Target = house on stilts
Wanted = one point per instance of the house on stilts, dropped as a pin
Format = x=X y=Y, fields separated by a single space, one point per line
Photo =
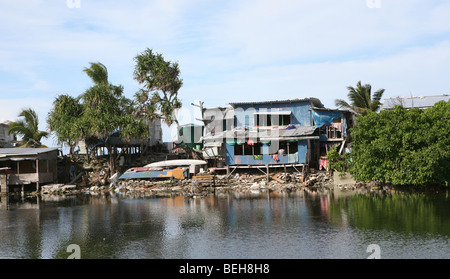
x=273 y=134
x=27 y=166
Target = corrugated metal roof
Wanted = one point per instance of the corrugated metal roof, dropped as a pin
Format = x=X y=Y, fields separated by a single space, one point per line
x=270 y=133
x=414 y=101
x=24 y=151
x=277 y=112
x=315 y=102
x=7 y=122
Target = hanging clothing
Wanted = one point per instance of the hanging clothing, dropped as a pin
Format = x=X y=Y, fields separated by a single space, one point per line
x=337 y=126
x=323 y=163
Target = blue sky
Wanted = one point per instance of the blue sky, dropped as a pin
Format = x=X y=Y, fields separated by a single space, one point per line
x=228 y=51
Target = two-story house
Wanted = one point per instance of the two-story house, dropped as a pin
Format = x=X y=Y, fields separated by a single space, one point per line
x=286 y=133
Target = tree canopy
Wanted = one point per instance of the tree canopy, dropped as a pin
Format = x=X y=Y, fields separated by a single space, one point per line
x=64 y=120
x=403 y=147
x=97 y=115
x=158 y=98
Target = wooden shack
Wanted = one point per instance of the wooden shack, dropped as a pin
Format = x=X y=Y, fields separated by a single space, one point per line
x=27 y=166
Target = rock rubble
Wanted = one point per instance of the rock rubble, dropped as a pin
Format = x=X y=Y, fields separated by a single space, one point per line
x=242 y=183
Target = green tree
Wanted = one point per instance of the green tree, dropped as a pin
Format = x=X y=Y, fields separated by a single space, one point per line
x=28 y=129
x=361 y=99
x=64 y=120
x=158 y=97
x=161 y=81
x=403 y=147
x=338 y=162
x=106 y=113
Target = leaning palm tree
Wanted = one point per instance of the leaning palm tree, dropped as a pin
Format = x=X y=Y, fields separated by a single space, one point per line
x=97 y=72
x=99 y=76
x=28 y=129
x=361 y=99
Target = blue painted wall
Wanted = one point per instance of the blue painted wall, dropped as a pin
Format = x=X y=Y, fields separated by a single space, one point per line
x=302 y=149
x=244 y=114
x=231 y=159
x=229 y=154
x=245 y=117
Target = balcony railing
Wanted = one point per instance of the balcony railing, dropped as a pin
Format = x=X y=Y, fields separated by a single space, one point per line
x=333 y=132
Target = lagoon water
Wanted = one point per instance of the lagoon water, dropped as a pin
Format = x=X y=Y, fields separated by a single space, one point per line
x=229 y=225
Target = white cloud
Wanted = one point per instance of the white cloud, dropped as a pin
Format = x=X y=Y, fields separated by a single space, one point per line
x=422 y=70
x=228 y=51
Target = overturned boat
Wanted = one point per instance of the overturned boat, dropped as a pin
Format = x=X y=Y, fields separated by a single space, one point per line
x=177 y=163
x=177 y=169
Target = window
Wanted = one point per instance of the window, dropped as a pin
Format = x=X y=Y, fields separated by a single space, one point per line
x=246 y=149
x=238 y=150
x=288 y=147
x=272 y=119
x=292 y=147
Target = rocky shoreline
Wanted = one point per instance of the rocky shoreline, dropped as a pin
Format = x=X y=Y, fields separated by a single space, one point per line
x=190 y=188
x=242 y=183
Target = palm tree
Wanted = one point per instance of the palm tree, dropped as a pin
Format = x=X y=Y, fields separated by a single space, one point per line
x=97 y=72
x=28 y=129
x=361 y=99
x=99 y=76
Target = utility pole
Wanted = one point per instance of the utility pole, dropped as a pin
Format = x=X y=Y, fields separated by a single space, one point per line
x=200 y=105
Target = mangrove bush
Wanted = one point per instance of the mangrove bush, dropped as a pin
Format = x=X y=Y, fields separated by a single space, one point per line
x=403 y=146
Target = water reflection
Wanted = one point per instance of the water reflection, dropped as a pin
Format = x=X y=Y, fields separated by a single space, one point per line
x=226 y=225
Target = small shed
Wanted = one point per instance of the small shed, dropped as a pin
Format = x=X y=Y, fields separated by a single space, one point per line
x=24 y=166
x=192 y=133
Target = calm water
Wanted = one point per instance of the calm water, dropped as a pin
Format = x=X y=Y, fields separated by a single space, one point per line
x=296 y=225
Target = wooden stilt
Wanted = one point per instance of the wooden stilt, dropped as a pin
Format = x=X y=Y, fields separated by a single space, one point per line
x=37 y=174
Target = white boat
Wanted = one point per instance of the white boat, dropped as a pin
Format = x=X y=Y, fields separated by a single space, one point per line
x=176 y=163
x=178 y=169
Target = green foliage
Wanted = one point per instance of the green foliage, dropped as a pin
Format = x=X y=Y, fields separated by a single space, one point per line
x=97 y=72
x=361 y=99
x=106 y=110
x=403 y=147
x=340 y=163
x=28 y=129
x=64 y=120
x=161 y=82
x=101 y=112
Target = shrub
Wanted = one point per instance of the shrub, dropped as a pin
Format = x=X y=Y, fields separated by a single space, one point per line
x=403 y=147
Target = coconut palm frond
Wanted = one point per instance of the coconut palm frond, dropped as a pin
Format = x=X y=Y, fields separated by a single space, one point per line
x=341 y=103
x=361 y=99
x=378 y=94
x=97 y=72
x=20 y=128
x=28 y=129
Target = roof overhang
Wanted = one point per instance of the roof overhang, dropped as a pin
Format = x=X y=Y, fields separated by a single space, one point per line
x=280 y=112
